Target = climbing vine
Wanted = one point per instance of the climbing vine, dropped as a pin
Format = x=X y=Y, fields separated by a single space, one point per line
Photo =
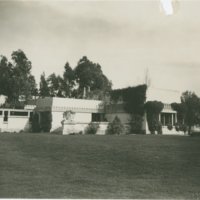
x=133 y=100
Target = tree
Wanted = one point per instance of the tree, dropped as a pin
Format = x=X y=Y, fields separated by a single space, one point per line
x=191 y=103
x=68 y=80
x=24 y=83
x=90 y=77
x=16 y=80
x=181 y=110
x=55 y=85
x=44 y=89
x=6 y=72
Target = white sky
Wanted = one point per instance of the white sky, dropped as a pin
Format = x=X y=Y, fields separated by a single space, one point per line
x=125 y=37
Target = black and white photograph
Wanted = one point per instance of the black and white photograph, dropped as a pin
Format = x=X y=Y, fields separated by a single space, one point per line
x=100 y=99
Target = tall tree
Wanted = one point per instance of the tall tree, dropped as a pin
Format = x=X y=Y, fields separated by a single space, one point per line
x=90 y=77
x=44 y=89
x=191 y=104
x=24 y=82
x=6 y=72
x=55 y=85
x=68 y=80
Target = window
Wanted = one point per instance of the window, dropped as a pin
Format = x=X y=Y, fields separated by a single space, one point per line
x=18 y=113
x=1 y=112
x=163 y=119
x=168 y=119
x=5 y=119
x=31 y=117
x=98 y=117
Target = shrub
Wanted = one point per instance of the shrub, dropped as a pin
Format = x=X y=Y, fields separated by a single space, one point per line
x=183 y=128
x=177 y=127
x=45 y=121
x=92 y=128
x=136 y=124
x=115 y=127
x=170 y=127
x=35 y=123
x=159 y=128
x=153 y=109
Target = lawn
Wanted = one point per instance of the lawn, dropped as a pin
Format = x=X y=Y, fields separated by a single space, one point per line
x=87 y=166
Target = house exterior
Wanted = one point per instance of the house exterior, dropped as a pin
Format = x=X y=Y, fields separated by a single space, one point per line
x=86 y=111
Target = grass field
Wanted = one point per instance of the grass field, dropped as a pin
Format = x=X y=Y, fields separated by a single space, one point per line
x=132 y=166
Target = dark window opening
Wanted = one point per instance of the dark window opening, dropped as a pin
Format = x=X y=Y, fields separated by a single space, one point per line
x=162 y=119
x=5 y=119
x=1 y=112
x=174 y=118
x=166 y=119
x=18 y=113
x=98 y=117
x=31 y=117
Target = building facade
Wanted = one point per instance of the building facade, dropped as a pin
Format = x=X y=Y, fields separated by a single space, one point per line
x=86 y=111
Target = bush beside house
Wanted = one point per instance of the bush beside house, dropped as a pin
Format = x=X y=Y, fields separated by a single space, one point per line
x=115 y=127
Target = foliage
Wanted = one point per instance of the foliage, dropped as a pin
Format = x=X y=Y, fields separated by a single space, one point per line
x=44 y=89
x=136 y=124
x=16 y=80
x=115 y=127
x=6 y=72
x=191 y=103
x=183 y=128
x=85 y=81
x=24 y=83
x=89 y=77
x=45 y=121
x=180 y=109
x=133 y=98
x=55 y=85
x=35 y=123
x=68 y=80
x=177 y=127
x=153 y=109
x=92 y=128
x=169 y=127
x=159 y=128
x=188 y=110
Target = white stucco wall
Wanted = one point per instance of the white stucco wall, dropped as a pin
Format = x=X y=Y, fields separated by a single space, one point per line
x=64 y=104
x=124 y=117
x=14 y=124
x=57 y=117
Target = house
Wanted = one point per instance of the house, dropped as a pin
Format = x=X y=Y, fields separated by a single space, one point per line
x=86 y=111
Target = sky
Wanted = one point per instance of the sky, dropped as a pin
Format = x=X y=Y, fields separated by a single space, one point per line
x=125 y=37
